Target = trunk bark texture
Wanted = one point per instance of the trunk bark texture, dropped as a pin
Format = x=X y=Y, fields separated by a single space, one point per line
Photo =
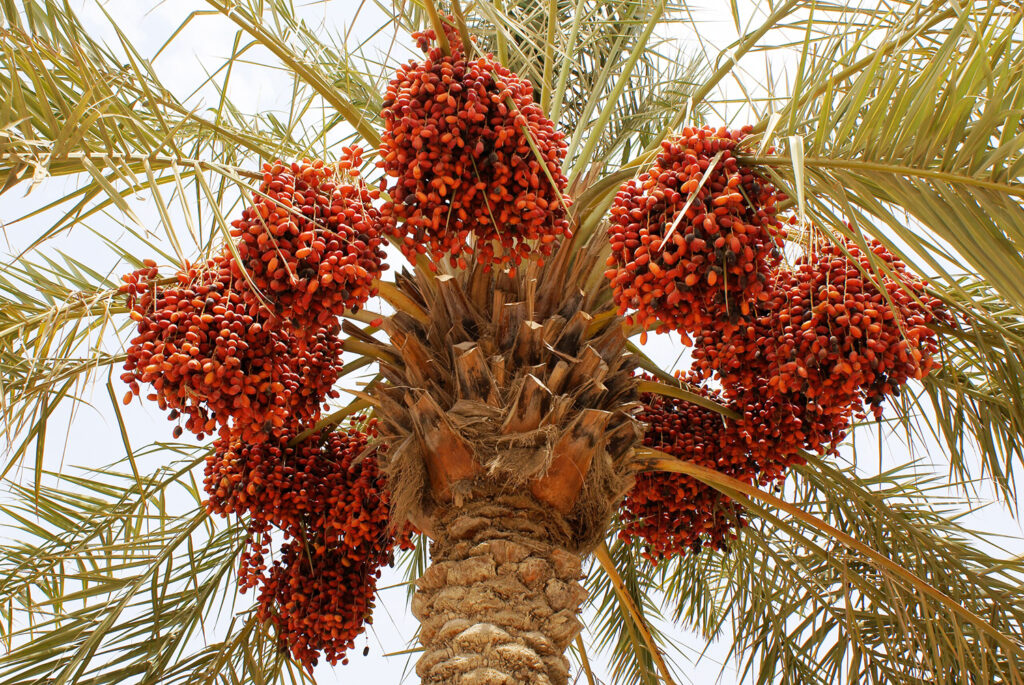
x=499 y=603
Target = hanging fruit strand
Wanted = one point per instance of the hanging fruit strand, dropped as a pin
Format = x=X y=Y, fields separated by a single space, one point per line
x=249 y=348
x=799 y=353
x=470 y=154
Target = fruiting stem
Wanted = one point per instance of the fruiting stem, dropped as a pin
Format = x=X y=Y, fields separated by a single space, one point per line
x=332 y=419
x=681 y=394
x=549 y=56
x=435 y=21
x=692 y=196
x=460 y=24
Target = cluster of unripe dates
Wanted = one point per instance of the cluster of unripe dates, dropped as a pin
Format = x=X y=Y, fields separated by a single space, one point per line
x=799 y=352
x=471 y=155
x=248 y=348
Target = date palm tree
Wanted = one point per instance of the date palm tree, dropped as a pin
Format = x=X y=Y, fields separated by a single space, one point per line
x=509 y=400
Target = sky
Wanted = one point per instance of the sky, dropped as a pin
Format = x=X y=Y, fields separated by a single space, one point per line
x=91 y=435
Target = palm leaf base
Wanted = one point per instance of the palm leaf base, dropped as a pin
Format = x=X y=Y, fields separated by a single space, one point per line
x=495 y=383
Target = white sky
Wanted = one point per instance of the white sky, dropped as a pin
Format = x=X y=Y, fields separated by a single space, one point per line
x=92 y=436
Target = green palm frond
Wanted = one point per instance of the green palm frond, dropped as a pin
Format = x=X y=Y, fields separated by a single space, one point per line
x=975 y=394
x=617 y=631
x=921 y=148
x=844 y=618
x=106 y=583
x=91 y=106
x=130 y=135
x=644 y=111
x=325 y=69
x=55 y=317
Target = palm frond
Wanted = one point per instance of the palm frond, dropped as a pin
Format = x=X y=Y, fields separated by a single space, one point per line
x=806 y=605
x=92 y=108
x=616 y=632
x=105 y=582
x=922 y=148
x=104 y=114
x=55 y=318
x=903 y=121
x=974 y=395
x=625 y=594
x=326 y=70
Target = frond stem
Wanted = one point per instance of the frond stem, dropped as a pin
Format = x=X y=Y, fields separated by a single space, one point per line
x=1016 y=190
x=549 y=57
x=611 y=103
x=9 y=159
x=79 y=305
x=584 y=660
x=499 y=35
x=604 y=558
x=563 y=72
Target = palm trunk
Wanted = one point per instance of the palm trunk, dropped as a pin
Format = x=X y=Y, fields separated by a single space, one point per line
x=499 y=604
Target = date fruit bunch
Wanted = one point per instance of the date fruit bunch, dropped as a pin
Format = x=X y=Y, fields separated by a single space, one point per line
x=475 y=166
x=247 y=346
x=796 y=352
